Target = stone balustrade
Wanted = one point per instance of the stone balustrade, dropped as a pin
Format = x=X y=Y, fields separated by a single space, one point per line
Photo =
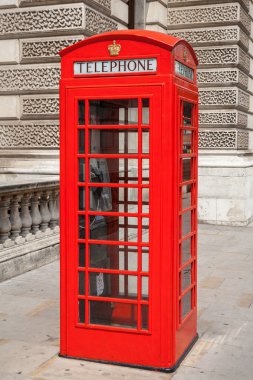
x=28 y=211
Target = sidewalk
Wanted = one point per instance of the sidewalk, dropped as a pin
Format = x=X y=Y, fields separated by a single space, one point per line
x=29 y=320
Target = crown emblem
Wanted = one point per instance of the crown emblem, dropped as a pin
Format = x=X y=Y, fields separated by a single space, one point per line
x=114 y=49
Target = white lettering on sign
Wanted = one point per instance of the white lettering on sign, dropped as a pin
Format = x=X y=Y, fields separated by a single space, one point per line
x=142 y=65
x=184 y=70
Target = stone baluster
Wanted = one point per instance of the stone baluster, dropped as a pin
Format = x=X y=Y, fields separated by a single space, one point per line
x=58 y=207
x=44 y=211
x=15 y=219
x=26 y=217
x=52 y=209
x=35 y=214
x=5 y=224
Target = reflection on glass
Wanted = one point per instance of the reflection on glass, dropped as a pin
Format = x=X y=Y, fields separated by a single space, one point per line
x=145 y=230
x=145 y=170
x=106 y=256
x=113 y=111
x=113 y=285
x=81 y=283
x=81 y=169
x=81 y=141
x=115 y=228
x=116 y=199
x=145 y=111
x=113 y=141
x=145 y=141
x=81 y=311
x=187 y=113
x=144 y=317
x=145 y=259
x=144 y=288
x=81 y=198
x=81 y=255
x=81 y=220
x=187 y=141
x=81 y=112
x=145 y=200
x=114 y=170
x=186 y=304
x=113 y=314
x=186 y=169
x=185 y=277
x=186 y=196
x=186 y=223
x=185 y=251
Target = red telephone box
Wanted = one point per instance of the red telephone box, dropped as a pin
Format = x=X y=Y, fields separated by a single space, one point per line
x=129 y=105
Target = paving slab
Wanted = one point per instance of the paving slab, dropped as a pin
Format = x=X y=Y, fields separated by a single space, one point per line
x=29 y=320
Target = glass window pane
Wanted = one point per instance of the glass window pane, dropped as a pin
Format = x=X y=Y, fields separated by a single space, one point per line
x=187 y=169
x=186 y=196
x=113 y=111
x=81 y=283
x=81 y=311
x=81 y=141
x=113 y=285
x=116 y=199
x=114 y=170
x=187 y=113
x=185 y=277
x=145 y=111
x=81 y=220
x=81 y=169
x=81 y=112
x=113 y=141
x=115 y=228
x=145 y=170
x=186 y=223
x=81 y=198
x=187 y=146
x=144 y=317
x=145 y=141
x=81 y=255
x=144 y=288
x=186 y=304
x=145 y=201
x=113 y=314
x=185 y=251
x=145 y=230
x=106 y=256
x=145 y=259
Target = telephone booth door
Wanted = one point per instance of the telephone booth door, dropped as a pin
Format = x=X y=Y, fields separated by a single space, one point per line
x=114 y=179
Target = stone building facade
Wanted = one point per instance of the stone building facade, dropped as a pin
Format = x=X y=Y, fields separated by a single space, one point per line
x=33 y=31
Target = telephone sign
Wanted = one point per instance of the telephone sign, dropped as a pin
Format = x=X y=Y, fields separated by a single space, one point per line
x=129 y=131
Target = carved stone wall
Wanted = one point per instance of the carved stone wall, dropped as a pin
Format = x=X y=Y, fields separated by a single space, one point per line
x=31 y=36
x=220 y=34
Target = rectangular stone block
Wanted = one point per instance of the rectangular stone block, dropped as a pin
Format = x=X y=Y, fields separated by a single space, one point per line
x=9 y=107
x=210 y=77
x=212 y=35
x=224 y=139
x=9 y=51
x=156 y=13
x=224 y=117
x=45 y=49
x=120 y=10
x=8 y=3
x=33 y=106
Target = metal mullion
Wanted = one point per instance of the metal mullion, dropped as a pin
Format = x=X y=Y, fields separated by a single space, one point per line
x=115 y=155
x=110 y=213
x=139 y=233
x=87 y=230
x=113 y=299
x=113 y=126
x=113 y=242
x=103 y=184
x=126 y=204
x=190 y=261
x=185 y=237
x=188 y=155
x=113 y=271
x=185 y=210
x=186 y=291
x=189 y=182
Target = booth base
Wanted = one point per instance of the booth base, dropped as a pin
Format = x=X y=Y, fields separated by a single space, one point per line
x=147 y=368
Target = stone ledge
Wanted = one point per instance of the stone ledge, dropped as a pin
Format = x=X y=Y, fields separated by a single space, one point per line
x=21 y=259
